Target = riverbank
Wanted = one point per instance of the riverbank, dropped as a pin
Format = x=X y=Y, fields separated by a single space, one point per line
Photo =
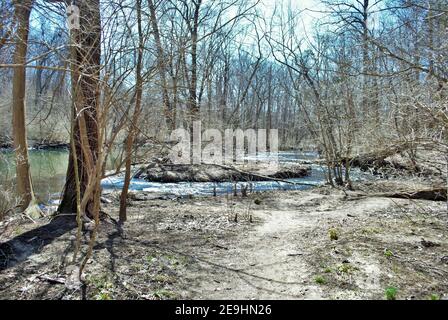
x=270 y=245
x=37 y=145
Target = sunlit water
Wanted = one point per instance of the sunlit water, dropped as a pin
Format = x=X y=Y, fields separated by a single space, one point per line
x=48 y=169
x=316 y=178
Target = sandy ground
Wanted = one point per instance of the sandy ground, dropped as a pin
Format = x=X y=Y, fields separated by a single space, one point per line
x=272 y=245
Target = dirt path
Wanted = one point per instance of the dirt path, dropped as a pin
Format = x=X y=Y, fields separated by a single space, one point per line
x=278 y=247
x=271 y=260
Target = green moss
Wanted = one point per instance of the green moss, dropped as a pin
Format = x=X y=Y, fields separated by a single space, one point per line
x=391 y=293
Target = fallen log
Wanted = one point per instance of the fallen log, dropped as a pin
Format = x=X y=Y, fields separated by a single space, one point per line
x=174 y=173
x=433 y=194
x=437 y=194
x=269 y=178
x=50 y=146
x=5 y=142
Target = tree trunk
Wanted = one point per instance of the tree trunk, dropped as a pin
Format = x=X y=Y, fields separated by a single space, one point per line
x=365 y=60
x=24 y=188
x=225 y=92
x=132 y=127
x=269 y=113
x=194 y=108
x=86 y=94
x=168 y=108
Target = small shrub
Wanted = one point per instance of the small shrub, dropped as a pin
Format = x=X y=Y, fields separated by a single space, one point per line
x=346 y=268
x=257 y=201
x=334 y=234
x=328 y=270
x=102 y=287
x=435 y=297
x=7 y=201
x=103 y=295
x=320 y=280
x=391 y=293
x=388 y=253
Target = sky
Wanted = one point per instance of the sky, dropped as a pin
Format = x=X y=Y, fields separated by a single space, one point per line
x=267 y=7
x=307 y=16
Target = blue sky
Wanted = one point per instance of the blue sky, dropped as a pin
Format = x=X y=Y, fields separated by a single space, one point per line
x=267 y=7
x=307 y=16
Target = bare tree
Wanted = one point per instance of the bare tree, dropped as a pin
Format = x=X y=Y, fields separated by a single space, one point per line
x=132 y=131
x=86 y=94
x=24 y=185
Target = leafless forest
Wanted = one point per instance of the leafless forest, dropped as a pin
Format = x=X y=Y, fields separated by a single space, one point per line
x=357 y=89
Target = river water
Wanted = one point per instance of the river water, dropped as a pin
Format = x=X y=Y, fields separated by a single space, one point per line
x=209 y=188
x=48 y=169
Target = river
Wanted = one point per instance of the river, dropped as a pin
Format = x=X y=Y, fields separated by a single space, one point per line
x=48 y=169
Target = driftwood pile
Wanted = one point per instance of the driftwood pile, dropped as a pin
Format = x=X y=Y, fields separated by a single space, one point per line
x=394 y=160
x=377 y=159
x=174 y=173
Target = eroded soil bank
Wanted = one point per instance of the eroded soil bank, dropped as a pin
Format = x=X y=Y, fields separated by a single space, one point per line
x=271 y=245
